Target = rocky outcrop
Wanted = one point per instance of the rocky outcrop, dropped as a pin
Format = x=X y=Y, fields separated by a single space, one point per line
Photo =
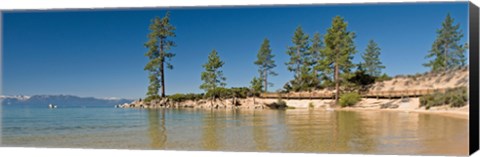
x=232 y=103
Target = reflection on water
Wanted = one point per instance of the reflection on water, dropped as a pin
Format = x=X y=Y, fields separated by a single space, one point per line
x=260 y=133
x=367 y=132
x=211 y=131
x=156 y=128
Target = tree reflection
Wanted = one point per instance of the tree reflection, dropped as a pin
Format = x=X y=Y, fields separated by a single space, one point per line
x=259 y=131
x=355 y=132
x=310 y=131
x=156 y=128
x=210 y=134
x=322 y=131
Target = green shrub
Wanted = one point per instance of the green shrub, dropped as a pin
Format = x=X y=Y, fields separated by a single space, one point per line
x=310 y=105
x=458 y=97
x=220 y=92
x=150 y=98
x=454 y=97
x=349 y=99
x=185 y=97
x=457 y=101
x=239 y=92
x=431 y=100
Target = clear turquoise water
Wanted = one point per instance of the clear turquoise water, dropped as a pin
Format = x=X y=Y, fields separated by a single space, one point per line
x=366 y=132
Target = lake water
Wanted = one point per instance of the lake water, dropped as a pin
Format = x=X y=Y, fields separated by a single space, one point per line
x=316 y=131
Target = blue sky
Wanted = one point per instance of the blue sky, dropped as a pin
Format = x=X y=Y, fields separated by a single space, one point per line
x=100 y=53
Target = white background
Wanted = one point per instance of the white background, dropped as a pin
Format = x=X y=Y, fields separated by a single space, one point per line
x=63 y=4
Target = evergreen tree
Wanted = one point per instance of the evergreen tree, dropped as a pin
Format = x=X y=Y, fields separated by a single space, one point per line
x=446 y=50
x=372 y=64
x=307 y=78
x=159 y=45
x=256 y=85
x=297 y=52
x=300 y=63
x=314 y=59
x=213 y=77
x=152 y=92
x=265 y=63
x=338 y=53
x=315 y=50
x=152 y=68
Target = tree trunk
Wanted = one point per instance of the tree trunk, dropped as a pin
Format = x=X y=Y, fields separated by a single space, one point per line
x=162 y=79
x=446 y=57
x=214 y=97
x=162 y=72
x=337 y=84
x=299 y=62
x=265 y=81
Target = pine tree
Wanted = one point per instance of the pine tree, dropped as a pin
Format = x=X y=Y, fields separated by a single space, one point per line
x=446 y=50
x=315 y=58
x=256 y=85
x=298 y=51
x=159 y=45
x=265 y=63
x=315 y=49
x=213 y=77
x=372 y=64
x=338 y=53
x=299 y=62
x=152 y=68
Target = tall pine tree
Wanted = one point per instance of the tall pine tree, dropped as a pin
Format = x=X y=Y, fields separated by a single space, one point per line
x=446 y=51
x=300 y=62
x=152 y=68
x=265 y=63
x=159 y=45
x=213 y=77
x=339 y=51
x=371 y=60
x=297 y=51
x=315 y=55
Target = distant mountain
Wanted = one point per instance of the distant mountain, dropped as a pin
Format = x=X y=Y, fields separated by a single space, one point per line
x=61 y=100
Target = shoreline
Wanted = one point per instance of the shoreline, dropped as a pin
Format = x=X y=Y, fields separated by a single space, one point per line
x=401 y=93
x=366 y=104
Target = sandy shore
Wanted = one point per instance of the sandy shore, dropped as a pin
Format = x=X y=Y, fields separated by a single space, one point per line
x=389 y=105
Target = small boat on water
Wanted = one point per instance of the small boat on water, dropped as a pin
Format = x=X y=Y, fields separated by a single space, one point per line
x=52 y=106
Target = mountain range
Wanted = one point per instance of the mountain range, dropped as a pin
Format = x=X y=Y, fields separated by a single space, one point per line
x=61 y=100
